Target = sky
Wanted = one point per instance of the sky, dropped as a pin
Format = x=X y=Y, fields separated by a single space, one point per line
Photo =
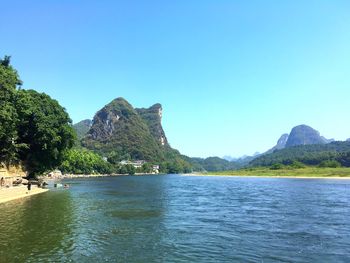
x=232 y=76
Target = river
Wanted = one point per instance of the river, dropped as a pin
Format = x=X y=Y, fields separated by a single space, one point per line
x=177 y=218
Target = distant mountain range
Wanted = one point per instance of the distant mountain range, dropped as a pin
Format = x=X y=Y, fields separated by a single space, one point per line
x=303 y=144
x=120 y=131
x=301 y=135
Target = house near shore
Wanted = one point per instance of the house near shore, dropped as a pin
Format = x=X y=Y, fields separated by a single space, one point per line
x=139 y=163
x=136 y=164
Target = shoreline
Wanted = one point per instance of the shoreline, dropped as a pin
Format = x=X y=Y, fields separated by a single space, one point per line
x=73 y=176
x=272 y=176
x=18 y=192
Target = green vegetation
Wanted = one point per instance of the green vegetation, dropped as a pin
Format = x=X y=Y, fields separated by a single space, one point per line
x=288 y=171
x=34 y=129
x=80 y=161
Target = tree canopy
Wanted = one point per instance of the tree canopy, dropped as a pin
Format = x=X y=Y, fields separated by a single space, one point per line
x=34 y=129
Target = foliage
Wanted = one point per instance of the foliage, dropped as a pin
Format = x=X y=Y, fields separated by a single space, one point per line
x=9 y=81
x=277 y=166
x=45 y=128
x=80 y=161
x=330 y=164
x=34 y=128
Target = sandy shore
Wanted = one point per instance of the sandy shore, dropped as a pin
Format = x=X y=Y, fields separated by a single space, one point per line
x=12 y=193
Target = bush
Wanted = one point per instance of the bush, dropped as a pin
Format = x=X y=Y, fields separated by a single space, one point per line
x=330 y=164
x=277 y=166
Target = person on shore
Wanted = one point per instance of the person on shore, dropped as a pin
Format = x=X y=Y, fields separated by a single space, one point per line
x=2 y=182
x=29 y=186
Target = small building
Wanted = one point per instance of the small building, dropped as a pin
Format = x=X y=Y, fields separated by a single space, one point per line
x=155 y=169
x=136 y=164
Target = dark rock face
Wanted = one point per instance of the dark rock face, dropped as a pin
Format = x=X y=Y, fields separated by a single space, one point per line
x=303 y=135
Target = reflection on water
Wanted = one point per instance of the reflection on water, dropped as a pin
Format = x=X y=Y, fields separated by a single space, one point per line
x=36 y=227
x=181 y=219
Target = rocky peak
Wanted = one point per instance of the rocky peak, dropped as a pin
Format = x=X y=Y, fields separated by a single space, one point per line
x=302 y=135
x=121 y=130
x=106 y=120
x=281 y=143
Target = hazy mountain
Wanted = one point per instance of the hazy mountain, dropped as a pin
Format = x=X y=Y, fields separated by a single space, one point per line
x=281 y=143
x=82 y=128
x=303 y=135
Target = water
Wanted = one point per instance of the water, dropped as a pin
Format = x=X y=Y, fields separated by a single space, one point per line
x=181 y=219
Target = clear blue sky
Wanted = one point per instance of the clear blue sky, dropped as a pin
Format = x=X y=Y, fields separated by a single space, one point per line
x=232 y=76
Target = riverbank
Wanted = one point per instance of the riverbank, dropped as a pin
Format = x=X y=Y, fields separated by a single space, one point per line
x=72 y=176
x=308 y=172
x=13 y=193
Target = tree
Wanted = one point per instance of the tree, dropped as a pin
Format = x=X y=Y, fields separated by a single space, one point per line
x=45 y=129
x=130 y=169
x=330 y=164
x=147 y=168
x=9 y=81
x=83 y=161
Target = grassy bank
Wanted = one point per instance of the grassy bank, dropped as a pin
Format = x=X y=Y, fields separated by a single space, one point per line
x=288 y=172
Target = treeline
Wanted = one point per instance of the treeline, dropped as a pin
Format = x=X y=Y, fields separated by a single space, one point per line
x=35 y=130
x=213 y=164
x=322 y=155
x=83 y=161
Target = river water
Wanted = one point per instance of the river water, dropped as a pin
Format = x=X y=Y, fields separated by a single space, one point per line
x=180 y=219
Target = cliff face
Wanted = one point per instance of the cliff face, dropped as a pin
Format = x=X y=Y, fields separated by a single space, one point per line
x=120 y=129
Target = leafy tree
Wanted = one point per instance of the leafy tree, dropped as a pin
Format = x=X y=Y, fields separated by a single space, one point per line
x=9 y=81
x=297 y=165
x=147 y=168
x=82 y=161
x=130 y=169
x=45 y=128
x=277 y=166
x=330 y=164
